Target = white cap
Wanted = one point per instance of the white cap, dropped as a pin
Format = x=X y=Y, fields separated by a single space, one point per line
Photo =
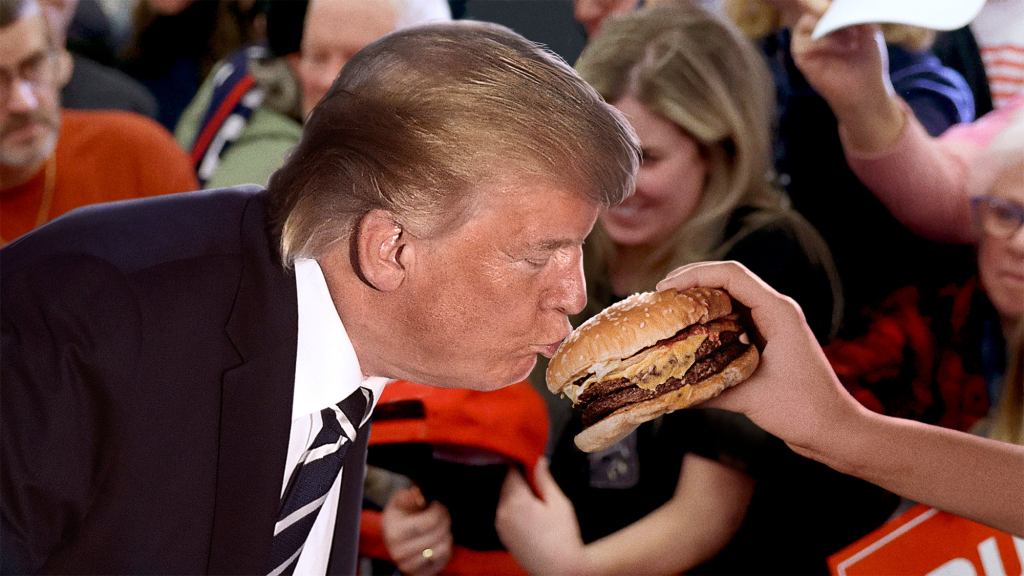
x=932 y=14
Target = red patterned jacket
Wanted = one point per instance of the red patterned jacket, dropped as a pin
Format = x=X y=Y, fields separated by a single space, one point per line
x=921 y=356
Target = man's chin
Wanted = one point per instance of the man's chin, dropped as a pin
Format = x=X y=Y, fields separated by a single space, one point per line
x=516 y=373
x=526 y=373
x=23 y=156
x=482 y=378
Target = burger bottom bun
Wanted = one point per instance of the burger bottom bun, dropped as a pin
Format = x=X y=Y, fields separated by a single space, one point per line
x=620 y=423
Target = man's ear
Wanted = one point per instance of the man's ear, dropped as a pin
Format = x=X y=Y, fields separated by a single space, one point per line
x=382 y=250
x=65 y=66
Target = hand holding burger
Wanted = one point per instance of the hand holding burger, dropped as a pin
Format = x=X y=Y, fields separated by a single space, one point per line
x=796 y=396
x=647 y=355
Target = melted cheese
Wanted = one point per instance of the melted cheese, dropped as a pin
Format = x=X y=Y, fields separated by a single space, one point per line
x=648 y=369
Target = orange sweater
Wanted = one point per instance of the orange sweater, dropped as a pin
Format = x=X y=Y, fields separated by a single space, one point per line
x=101 y=156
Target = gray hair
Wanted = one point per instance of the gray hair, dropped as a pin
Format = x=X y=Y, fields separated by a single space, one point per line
x=1005 y=150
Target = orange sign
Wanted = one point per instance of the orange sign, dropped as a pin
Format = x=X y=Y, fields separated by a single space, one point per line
x=928 y=542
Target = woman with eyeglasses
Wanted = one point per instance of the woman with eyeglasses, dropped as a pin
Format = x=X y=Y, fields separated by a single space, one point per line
x=954 y=358
x=922 y=180
x=999 y=214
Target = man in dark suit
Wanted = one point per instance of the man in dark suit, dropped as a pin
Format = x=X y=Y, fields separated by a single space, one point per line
x=173 y=366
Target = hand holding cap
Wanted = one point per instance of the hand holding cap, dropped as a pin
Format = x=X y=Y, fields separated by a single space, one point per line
x=932 y=14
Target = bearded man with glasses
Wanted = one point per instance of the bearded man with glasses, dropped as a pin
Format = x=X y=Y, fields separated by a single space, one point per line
x=54 y=160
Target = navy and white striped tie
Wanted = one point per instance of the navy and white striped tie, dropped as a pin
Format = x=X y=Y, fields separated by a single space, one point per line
x=313 y=477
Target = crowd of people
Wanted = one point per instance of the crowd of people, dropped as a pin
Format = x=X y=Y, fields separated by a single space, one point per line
x=236 y=234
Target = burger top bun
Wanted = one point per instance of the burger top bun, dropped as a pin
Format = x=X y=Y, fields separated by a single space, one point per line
x=631 y=325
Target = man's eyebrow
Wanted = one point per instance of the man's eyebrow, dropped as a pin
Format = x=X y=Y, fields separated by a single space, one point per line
x=31 y=58
x=556 y=244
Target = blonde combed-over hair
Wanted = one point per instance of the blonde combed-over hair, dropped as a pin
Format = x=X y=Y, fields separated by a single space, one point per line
x=424 y=120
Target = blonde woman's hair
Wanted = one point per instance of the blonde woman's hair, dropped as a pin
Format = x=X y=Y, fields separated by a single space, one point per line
x=1008 y=415
x=912 y=38
x=423 y=121
x=695 y=69
x=757 y=19
x=687 y=65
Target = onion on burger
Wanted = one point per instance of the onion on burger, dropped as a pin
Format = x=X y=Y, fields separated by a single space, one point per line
x=647 y=355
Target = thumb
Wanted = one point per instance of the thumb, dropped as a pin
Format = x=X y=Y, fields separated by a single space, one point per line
x=544 y=481
x=514 y=490
x=409 y=500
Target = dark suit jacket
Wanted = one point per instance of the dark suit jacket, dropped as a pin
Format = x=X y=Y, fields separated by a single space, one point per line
x=148 y=367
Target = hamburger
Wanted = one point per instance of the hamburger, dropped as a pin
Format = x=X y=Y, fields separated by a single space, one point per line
x=650 y=354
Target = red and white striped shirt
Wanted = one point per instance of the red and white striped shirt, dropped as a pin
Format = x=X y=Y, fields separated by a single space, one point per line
x=999 y=31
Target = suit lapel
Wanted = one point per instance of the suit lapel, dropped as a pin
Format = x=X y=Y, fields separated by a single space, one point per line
x=256 y=406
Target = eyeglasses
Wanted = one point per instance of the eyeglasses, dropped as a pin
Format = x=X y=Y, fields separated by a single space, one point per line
x=38 y=70
x=997 y=217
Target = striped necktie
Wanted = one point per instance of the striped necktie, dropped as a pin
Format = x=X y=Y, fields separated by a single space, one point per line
x=313 y=477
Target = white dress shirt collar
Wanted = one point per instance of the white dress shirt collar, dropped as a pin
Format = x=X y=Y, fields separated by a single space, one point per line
x=326 y=367
x=326 y=372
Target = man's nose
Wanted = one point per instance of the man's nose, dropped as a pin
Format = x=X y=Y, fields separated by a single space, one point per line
x=22 y=97
x=572 y=289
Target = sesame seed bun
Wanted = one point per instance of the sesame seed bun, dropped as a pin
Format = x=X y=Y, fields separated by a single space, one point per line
x=631 y=325
x=632 y=362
